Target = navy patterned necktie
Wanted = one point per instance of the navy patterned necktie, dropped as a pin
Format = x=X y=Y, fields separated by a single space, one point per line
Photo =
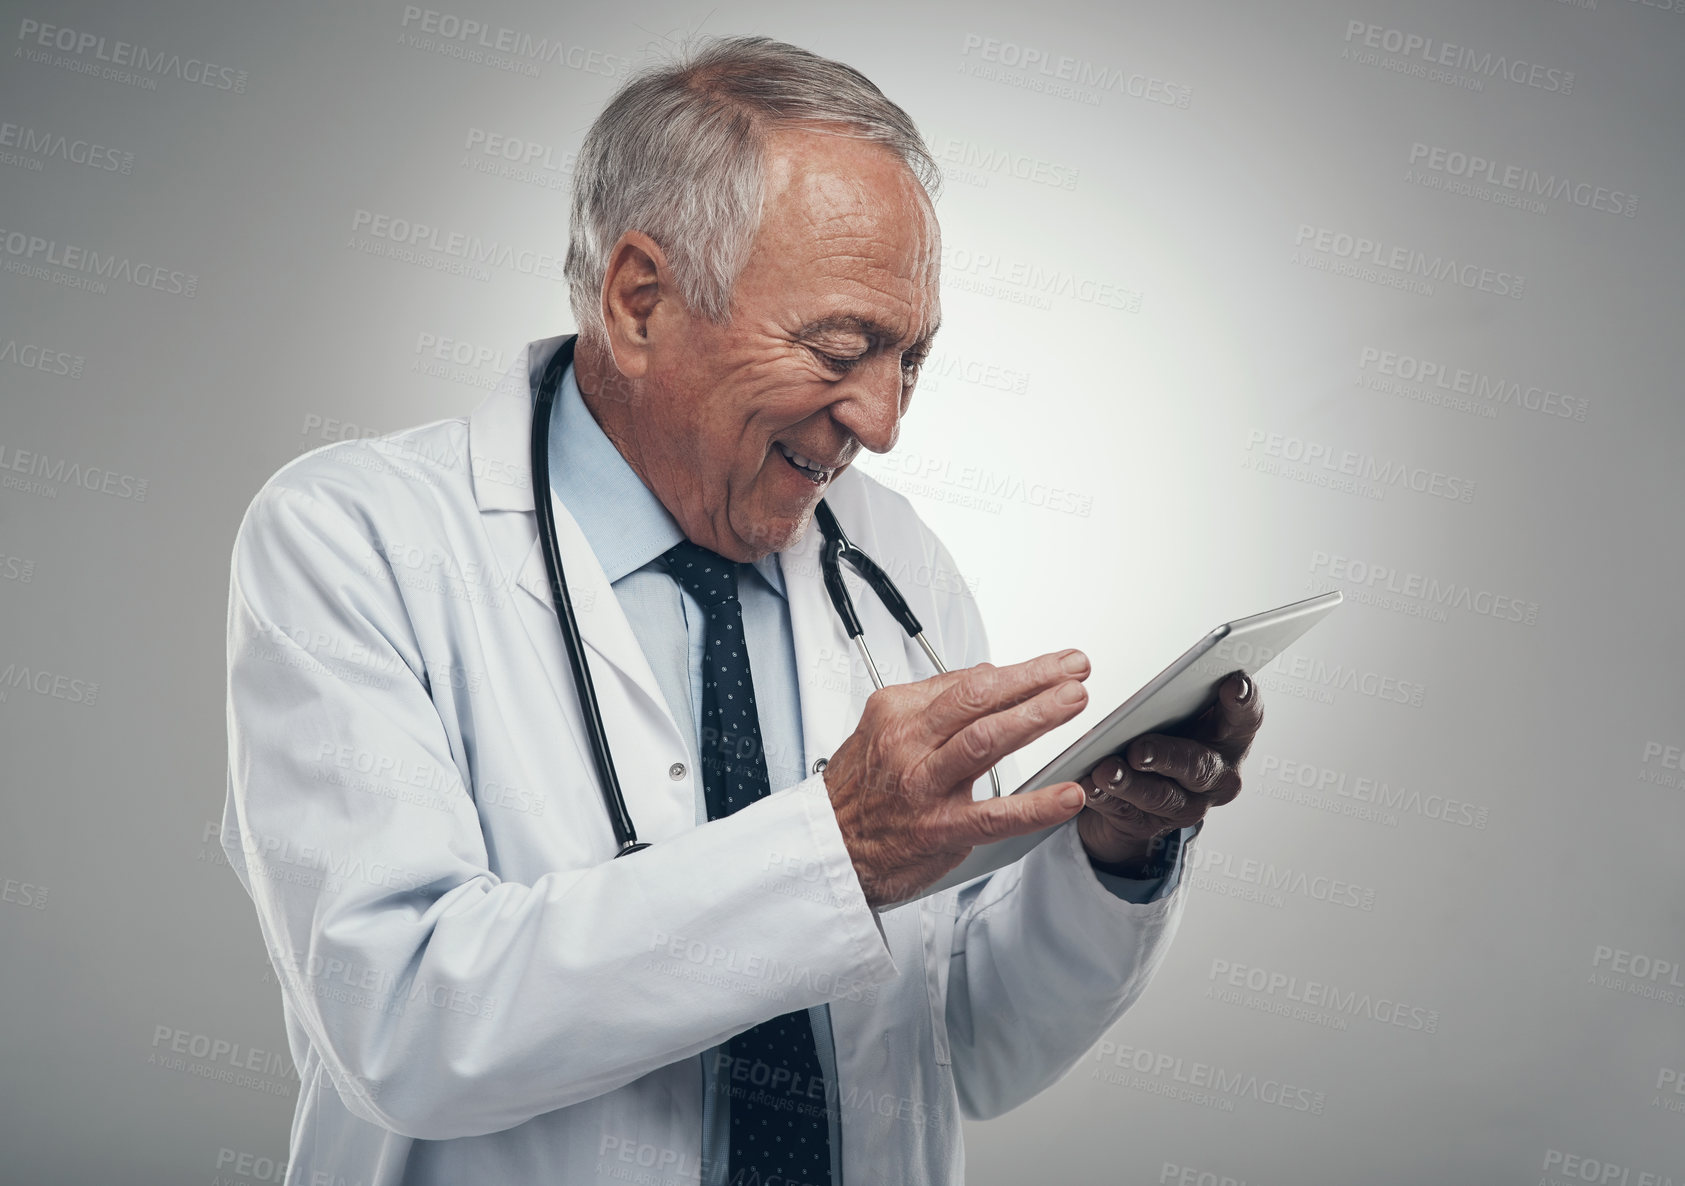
x=780 y=1129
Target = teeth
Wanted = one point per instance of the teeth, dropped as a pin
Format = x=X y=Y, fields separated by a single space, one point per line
x=817 y=472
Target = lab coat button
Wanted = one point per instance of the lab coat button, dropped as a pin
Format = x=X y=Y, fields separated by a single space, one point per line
x=819 y=765
x=676 y=771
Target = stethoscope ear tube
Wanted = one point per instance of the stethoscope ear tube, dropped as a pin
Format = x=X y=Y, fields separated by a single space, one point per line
x=836 y=548
x=830 y=554
x=625 y=834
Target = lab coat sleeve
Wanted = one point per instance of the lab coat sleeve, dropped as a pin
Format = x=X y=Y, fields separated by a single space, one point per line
x=443 y=1001
x=1045 y=958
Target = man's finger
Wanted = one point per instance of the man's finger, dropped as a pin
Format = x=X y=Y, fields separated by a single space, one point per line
x=984 y=689
x=1192 y=764
x=983 y=742
x=1130 y=819
x=988 y=820
x=1153 y=794
x=1235 y=718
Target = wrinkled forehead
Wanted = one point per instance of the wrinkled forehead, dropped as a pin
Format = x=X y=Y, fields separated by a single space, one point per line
x=846 y=217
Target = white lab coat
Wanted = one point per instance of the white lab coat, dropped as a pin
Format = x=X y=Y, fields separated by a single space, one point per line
x=474 y=991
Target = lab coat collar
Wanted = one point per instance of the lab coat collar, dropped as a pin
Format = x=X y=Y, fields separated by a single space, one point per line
x=499 y=432
x=499 y=449
x=500 y=455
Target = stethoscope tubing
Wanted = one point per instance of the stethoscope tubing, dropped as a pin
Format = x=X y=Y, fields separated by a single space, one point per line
x=619 y=818
x=836 y=549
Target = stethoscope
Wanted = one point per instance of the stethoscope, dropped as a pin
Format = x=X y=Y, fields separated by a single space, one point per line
x=836 y=550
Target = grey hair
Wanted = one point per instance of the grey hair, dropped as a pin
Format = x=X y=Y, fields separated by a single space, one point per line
x=679 y=154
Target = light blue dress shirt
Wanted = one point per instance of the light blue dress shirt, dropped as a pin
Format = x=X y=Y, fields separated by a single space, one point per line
x=629 y=530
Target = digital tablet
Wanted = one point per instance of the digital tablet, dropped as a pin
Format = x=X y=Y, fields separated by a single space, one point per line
x=1171 y=698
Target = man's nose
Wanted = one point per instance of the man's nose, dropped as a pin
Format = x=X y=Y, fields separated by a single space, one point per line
x=871 y=407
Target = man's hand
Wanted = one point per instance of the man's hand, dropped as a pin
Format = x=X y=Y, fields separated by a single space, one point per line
x=901 y=783
x=1161 y=784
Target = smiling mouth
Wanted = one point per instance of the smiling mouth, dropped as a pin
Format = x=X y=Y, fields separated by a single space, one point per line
x=807 y=467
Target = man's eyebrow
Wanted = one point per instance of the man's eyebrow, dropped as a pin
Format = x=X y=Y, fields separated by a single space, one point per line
x=848 y=323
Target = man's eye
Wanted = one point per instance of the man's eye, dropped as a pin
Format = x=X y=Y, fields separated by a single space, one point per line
x=840 y=365
x=910 y=363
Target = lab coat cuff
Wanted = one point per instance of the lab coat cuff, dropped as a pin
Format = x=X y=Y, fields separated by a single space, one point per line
x=1161 y=881
x=829 y=874
x=1067 y=861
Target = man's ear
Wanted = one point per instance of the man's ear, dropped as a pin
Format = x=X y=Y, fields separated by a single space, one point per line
x=636 y=284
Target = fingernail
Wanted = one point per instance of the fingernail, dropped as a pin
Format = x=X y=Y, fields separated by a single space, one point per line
x=1073 y=662
x=1071 y=797
x=1071 y=693
x=1144 y=755
x=1116 y=777
x=1245 y=693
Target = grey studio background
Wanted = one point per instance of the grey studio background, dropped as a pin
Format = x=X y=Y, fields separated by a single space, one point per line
x=1241 y=302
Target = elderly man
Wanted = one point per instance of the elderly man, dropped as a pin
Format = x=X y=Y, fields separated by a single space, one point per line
x=476 y=989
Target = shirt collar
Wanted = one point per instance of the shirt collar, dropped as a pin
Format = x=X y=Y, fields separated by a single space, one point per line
x=620 y=517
